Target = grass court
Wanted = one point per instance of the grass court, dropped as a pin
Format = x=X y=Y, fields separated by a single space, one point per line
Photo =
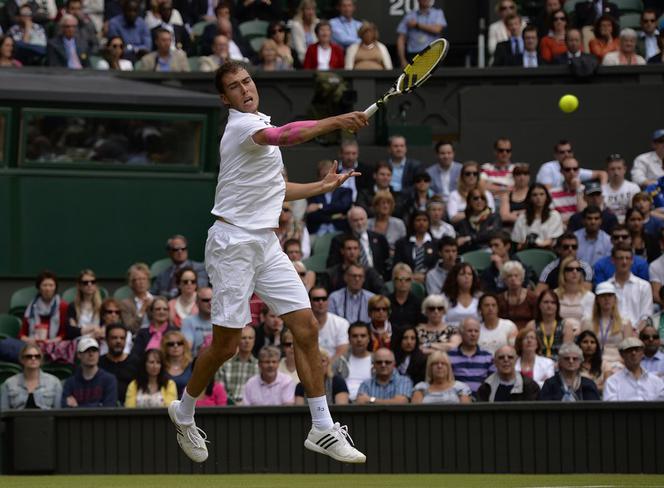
x=334 y=481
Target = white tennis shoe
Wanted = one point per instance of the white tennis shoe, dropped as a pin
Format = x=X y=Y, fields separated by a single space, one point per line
x=190 y=438
x=336 y=443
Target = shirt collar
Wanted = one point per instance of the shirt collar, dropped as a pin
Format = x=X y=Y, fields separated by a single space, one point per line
x=427 y=238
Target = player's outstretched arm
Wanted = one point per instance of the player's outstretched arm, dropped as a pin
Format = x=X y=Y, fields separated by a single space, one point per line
x=305 y=130
x=297 y=191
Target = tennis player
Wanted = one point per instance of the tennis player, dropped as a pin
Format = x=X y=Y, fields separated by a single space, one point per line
x=242 y=254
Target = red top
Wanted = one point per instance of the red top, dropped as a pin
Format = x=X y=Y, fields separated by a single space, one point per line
x=217 y=398
x=336 y=58
x=551 y=48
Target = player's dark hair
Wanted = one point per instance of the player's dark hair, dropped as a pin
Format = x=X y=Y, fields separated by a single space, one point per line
x=530 y=209
x=229 y=67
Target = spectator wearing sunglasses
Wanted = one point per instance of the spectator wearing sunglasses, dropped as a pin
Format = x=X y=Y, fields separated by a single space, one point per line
x=604 y=268
x=177 y=358
x=567 y=245
x=32 y=388
x=498 y=175
x=568 y=198
x=83 y=314
x=658 y=58
x=553 y=44
x=166 y=283
x=112 y=56
x=197 y=328
x=185 y=304
x=332 y=329
x=386 y=385
x=435 y=334
x=647 y=45
x=653 y=359
x=550 y=173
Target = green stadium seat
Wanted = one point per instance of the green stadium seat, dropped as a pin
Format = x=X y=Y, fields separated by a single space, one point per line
x=123 y=292
x=70 y=294
x=569 y=7
x=536 y=258
x=7 y=370
x=60 y=371
x=20 y=300
x=253 y=28
x=480 y=260
x=199 y=27
x=322 y=244
x=94 y=61
x=416 y=289
x=631 y=19
x=317 y=263
x=628 y=6
x=256 y=43
x=9 y=325
x=159 y=266
x=194 y=65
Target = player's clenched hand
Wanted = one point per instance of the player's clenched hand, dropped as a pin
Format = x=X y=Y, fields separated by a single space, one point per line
x=334 y=180
x=353 y=121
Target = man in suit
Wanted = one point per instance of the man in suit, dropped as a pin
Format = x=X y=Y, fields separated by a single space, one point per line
x=573 y=42
x=446 y=172
x=510 y=52
x=327 y=213
x=350 y=254
x=382 y=176
x=646 y=45
x=403 y=168
x=179 y=36
x=374 y=249
x=586 y=13
x=164 y=59
x=348 y=156
x=65 y=50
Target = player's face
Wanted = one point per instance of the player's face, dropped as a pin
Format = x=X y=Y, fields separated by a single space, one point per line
x=240 y=92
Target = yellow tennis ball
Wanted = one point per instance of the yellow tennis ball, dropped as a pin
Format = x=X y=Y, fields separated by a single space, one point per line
x=568 y=103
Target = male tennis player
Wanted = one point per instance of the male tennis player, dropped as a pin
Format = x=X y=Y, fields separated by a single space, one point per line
x=242 y=254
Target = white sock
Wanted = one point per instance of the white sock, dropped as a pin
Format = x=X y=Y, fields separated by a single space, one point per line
x=320 y=413
x=185 y=413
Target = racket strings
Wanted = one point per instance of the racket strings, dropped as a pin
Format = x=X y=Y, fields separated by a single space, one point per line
x=422 y=65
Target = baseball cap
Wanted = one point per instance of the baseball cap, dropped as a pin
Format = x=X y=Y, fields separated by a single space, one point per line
x=630 y=343
x=592 y=186
x=604 y=288
x=86 y=343
x=658 y=134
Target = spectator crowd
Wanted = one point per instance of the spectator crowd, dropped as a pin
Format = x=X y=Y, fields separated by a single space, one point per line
x=443 y=283
x=179 y=35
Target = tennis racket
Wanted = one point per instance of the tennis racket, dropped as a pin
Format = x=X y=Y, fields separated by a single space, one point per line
x=415 y=73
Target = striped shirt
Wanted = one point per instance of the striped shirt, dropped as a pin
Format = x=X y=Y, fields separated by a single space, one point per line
x=498 y=176
x=471 y=370
x=564 y=201
x=397 y=385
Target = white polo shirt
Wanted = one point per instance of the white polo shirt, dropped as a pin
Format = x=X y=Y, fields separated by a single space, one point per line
x=250 y=188
x=634 y=299
x=333 y=334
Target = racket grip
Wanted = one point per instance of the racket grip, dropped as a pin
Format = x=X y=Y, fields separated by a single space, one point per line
x=371 y=110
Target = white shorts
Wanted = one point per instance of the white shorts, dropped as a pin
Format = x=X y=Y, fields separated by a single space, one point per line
x=239 y=262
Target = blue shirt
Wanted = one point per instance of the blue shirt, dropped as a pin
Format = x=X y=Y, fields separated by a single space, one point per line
x=592 y=251
x=99 y=391
x=471 y=370
x=654 y=364
x=344 y=31
x=353 y=308
x=137 y=36
x=653 y=225
x=194 y=329
x=417 y=39
x=398 y=385
x=70 y=47
x=397 y=175
x=604 y=269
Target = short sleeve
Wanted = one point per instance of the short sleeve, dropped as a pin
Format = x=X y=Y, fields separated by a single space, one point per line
x=440 y=17
x=422 y=386
x=342 y=332
x=338 y=385
x=585 y=174
x=364 y=388
x=402 y=28
x=462 y=388
x=246 y=126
